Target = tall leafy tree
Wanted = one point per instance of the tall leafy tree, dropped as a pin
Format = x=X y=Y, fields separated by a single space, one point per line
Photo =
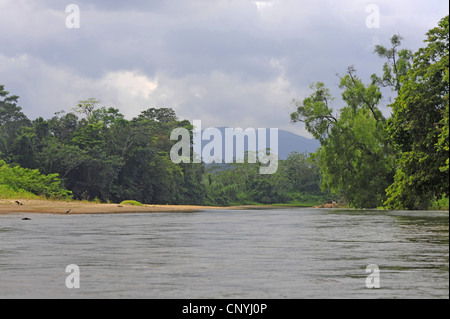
x=356 y=158
x=419 y=126
x=11 y=120
x=353 y=158
x=398 y=62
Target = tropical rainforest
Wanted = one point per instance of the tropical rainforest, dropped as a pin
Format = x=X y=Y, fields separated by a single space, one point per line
x=366 y=159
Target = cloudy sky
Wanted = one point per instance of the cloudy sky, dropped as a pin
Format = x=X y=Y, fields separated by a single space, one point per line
x=236 y=63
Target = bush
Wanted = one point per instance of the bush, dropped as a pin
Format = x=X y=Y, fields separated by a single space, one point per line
x=18 y=179
x=131 y=202
x=441 y=204
x=6 y=192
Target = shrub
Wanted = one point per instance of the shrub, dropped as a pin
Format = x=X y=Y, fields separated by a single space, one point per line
x=19 y=179
x=131 y=202
x=7 y=192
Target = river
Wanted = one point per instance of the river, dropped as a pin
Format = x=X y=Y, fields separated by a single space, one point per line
x=261 y=253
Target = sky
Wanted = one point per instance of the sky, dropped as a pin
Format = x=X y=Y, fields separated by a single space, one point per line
x=235 y=63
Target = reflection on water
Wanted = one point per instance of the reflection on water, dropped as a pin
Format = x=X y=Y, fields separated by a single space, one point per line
x=271 y=253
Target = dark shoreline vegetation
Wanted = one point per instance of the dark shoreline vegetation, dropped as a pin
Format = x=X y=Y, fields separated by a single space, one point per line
x=365 y=160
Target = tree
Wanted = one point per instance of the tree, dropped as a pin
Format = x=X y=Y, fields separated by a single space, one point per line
x=359 y=96
x=90 y=136
x=94 y=175
x=353 y=157
x=419 y=126
x=160 y=179
x=301 y=174
x=353 y=160
x=108 y=116
x=356 y=158
x=315 y=112
x=61 y=158
x=30 y=140
x=11 y=120
x=24 y=147
x=397 y=65
x=87 y=107
x=192 y=190
x=164 y=115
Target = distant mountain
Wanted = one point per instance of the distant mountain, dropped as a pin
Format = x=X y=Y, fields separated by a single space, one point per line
x=287 y=143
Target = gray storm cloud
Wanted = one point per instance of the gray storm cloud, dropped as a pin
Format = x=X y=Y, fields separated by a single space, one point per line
x=229 y=63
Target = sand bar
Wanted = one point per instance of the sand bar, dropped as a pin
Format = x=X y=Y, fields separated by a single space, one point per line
x=81 y=207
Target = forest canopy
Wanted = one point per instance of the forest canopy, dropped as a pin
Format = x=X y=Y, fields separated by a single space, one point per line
x=94 y=153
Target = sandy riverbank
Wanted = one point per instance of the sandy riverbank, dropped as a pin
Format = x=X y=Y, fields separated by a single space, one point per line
x=79 y=207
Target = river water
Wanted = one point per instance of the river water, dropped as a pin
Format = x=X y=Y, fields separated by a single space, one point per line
x=269 y=253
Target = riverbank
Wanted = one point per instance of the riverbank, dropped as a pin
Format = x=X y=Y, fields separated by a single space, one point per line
x=84 y=207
